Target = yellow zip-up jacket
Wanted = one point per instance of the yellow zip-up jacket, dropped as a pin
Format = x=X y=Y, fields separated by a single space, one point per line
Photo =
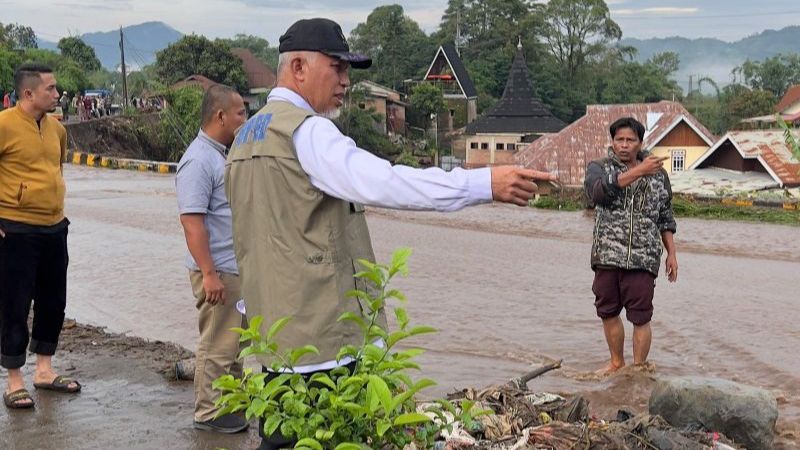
x=31 y=177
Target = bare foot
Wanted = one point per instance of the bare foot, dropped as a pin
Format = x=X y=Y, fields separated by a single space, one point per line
x=47 y=377
x=609 y=369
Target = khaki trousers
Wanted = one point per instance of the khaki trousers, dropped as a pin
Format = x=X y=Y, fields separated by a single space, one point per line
x=219 y=347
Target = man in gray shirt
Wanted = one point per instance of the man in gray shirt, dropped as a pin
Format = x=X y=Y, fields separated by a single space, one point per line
x=206 y=219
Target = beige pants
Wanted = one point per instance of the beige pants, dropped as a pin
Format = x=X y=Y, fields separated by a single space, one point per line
x=219 y=347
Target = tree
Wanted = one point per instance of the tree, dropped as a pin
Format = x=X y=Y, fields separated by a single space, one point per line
x=398 y=46
x=427 y=99
x=15 y=36
x=774 y=74
x=180 y=122
x=74 y=49
x=741 y=102
x=71 y=78
x=666 y=62
x=578 y=31
x=8 y=62
x=195 y=54
x=257 y=45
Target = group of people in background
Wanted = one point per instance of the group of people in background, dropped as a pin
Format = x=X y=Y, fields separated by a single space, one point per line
x=9 y=99
x=87 y=106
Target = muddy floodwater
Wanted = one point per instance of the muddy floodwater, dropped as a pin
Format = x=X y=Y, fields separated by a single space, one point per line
x=509 y=288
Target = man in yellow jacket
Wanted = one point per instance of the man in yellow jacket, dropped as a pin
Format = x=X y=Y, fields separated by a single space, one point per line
x=33 y=235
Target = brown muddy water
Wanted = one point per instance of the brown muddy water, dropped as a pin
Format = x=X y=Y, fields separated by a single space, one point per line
x=508 y=288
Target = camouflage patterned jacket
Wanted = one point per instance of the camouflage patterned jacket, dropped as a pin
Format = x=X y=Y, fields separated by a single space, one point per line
x=629 y=221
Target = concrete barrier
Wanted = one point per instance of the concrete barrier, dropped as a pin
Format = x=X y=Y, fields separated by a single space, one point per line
x=110 y=162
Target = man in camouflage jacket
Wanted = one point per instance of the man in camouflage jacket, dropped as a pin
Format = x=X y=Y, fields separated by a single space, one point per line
x=633 y=199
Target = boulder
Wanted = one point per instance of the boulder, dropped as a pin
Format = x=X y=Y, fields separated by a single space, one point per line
x=743 y=413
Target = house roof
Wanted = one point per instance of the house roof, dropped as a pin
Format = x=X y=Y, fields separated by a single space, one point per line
x=195 y=80
x=518 y=110
x=768 y=147
x=791 y=97
x=449 y=53
x=374 y=89
x=568 y=151
x=259 y=75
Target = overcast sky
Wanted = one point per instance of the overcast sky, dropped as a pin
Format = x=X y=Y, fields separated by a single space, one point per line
x=51 y=19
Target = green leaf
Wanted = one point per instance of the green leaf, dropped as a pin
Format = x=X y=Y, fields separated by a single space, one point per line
x=383 y=427
x=323 y=435
x=394 y=293
x=408 y=353
x=380 y=388
x=421 y=330
x=353 y=317
x=400 y=260
x=348 y=446
x=411 y=418
x=255 y=323
x=402 y=317
x=366 y=264
x=376 y=331
x=310 y=443
x=359 y=294
x=423 y=384
x=298 y=353
x=323 y=378
x=347 y=350
x=396 y=337
x=226 y=383
x=277 y=326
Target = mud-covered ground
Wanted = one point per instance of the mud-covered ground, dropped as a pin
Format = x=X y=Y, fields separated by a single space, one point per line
x=127 y=402
x=508 y=289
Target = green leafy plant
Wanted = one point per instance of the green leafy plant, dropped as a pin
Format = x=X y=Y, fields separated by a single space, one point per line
x=372 y=407
x=789 y=136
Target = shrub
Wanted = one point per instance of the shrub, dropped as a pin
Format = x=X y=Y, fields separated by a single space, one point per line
x=374 y=406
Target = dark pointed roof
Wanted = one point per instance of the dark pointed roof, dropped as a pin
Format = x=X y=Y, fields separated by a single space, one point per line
x=450 y=55
x=518 y=111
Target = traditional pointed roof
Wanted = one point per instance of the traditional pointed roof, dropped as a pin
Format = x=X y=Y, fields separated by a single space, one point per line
x=447 y=57
x=518 y=111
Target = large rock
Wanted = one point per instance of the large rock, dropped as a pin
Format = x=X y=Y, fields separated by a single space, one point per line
x=743 y=413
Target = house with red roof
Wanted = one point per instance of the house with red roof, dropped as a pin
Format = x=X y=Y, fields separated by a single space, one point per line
x=670 y=131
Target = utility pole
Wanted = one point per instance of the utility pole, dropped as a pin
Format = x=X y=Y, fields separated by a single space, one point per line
x=458 y=31
x=124 y=74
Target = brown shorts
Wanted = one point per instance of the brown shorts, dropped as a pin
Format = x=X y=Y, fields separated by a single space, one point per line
x=618 y=288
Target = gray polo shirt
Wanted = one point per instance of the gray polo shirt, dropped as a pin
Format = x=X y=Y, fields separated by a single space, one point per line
x=200 y=185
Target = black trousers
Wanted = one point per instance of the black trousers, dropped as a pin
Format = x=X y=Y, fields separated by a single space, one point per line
x=277 y=440
x=33 y=267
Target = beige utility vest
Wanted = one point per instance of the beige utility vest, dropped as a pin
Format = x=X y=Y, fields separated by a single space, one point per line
x=296 y=247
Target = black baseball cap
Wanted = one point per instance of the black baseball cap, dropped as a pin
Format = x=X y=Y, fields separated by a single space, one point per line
x=324 y=36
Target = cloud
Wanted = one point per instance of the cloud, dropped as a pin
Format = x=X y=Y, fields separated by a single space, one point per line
x=326 y=5
x=663 y=10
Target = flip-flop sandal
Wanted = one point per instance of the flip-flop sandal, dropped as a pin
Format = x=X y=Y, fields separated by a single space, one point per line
x=12 y=399
x=60 y=384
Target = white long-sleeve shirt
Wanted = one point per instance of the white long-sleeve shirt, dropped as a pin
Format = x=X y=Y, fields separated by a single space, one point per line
x=337 y=166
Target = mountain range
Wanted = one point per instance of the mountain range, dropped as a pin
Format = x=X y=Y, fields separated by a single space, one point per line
x=141 y=44
x=714 y=58
x=705 y=57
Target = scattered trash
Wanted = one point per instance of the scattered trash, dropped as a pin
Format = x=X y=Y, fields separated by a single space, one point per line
x=525 y=420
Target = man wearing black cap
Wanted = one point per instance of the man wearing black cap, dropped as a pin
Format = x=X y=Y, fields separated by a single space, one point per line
x=297 y=186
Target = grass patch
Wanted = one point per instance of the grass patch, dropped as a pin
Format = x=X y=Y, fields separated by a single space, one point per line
x=684 y=207
x=557 y=203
